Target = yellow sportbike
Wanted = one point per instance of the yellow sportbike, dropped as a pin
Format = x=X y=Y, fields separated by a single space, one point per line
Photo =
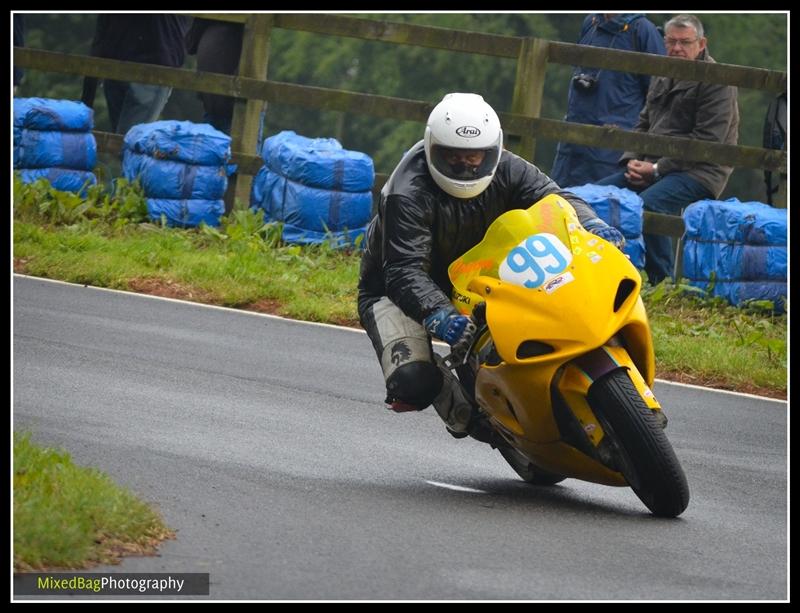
x=562 y=364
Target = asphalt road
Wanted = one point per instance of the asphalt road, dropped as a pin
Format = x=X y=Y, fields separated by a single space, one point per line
x=265 y=445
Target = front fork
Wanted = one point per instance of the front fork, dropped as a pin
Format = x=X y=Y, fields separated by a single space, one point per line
x=579 y=375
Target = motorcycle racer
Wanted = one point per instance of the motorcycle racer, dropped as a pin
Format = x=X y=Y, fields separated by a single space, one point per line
x=437 y=203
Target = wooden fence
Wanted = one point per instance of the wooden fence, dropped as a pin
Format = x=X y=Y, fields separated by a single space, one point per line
x=253 y=90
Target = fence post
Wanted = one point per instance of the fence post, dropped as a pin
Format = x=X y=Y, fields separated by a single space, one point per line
x=247 y=113
x=529 y=89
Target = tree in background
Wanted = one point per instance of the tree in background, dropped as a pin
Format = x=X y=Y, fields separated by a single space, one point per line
x=758 y=40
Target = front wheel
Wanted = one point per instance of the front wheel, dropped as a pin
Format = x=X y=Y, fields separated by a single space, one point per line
x=641 y=448
x=529 y=473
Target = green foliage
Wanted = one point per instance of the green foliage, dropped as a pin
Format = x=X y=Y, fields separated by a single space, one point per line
x=241 y=230
x=40 y=201
x=392 y=70
x=67 y=516
x=695 y=312
x=244 y=229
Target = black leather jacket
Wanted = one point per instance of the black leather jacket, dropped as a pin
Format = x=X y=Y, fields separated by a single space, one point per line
x=420 y=229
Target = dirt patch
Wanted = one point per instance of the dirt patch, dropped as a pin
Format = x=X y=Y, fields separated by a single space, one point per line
x=21 y=265
x=269 y=306
x=348 y=322
x=708 y=381
x=107 y=550
x=169 y=289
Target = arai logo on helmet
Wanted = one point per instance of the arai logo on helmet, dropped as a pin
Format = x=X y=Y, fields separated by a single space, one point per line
x=468 y=131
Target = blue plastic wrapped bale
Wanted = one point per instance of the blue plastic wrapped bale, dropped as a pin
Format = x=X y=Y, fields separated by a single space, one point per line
x=52 y=115
x=186 y=213
x=47 y=149
x=318 y=162
x=739 y=246
x=345 y=238
x=310 y=208
x=634 y=249
x=617 y=206
x=175 y=180
x=180 y=141
x=291 y=138
x=62 y=179
x=259 y=190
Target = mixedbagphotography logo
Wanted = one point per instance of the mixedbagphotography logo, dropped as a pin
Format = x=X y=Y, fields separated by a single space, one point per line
x=55 y=584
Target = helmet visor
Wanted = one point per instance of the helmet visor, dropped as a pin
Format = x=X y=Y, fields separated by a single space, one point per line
x=464 y=164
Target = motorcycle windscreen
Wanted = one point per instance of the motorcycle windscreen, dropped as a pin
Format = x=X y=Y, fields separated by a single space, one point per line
x=528 y=247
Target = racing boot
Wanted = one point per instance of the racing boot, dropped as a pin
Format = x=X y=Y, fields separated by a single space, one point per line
x=453 y=404
x=461 y=414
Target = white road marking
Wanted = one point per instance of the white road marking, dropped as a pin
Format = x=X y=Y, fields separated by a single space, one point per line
x=720 y=391
x=457 y=488
x=191 y=303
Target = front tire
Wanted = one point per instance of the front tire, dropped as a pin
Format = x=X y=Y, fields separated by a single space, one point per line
x=644 y=454
x=526 y=470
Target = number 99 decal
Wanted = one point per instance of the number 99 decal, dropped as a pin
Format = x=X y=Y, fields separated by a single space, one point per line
x=535 y=261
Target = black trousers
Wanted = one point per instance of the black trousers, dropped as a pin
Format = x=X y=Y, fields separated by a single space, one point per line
x=218 y=50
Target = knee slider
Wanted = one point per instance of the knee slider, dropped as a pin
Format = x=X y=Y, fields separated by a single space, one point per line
x=416 y=383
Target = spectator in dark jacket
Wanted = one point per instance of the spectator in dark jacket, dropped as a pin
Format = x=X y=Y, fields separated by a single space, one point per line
x=602 y=97
x=689 y=109
x=147 y=38
x=437 y=204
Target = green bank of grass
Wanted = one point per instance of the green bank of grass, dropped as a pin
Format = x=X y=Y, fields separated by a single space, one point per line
x=66 y=516
x=316 y=283
x=243 y=264
x=704 y=340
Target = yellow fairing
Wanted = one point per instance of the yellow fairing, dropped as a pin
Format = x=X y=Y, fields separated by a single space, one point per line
x=553 y=292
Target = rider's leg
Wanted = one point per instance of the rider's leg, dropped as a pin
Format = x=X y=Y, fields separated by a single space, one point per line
x=404 y=350
x=415 y=376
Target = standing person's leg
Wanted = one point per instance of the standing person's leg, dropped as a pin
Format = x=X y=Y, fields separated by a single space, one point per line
x=115 y=92
x=142 y=104
x=668 y=196
x=219 y=50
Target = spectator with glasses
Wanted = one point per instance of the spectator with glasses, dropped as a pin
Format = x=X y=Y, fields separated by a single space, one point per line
x=688 y=109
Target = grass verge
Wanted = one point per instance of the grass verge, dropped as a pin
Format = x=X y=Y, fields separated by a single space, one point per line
x=705 y=341
x=70 y=517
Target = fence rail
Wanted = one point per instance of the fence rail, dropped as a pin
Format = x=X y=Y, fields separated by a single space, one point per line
x=510 y=46
x=252 y=89
x=328 y=99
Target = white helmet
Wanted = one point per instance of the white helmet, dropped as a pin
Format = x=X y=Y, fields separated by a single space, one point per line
x=463 y=141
